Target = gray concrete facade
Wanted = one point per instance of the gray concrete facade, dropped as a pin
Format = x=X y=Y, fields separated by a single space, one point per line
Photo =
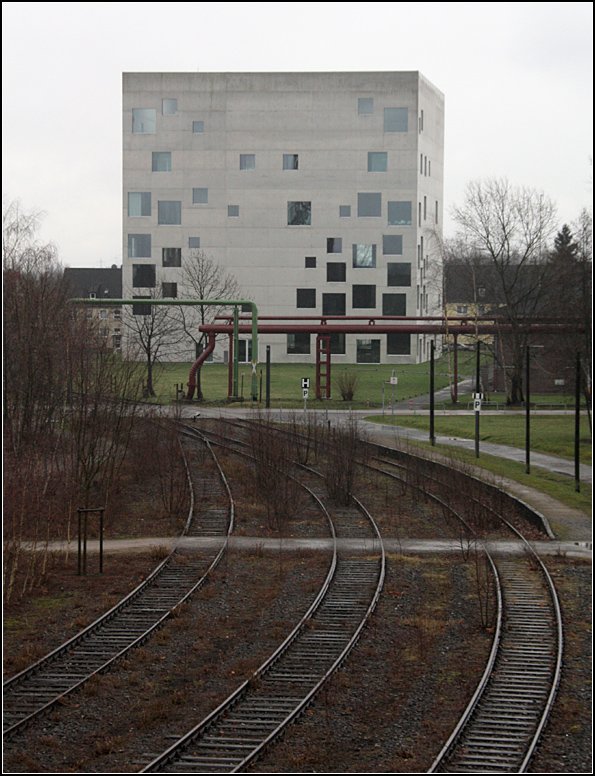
x=222 y=157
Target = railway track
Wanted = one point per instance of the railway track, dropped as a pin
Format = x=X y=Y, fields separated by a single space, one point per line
x=127 y=625
x=239 y=730
x=501 y=726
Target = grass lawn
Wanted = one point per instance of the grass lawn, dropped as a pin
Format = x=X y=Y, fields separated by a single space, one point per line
x=549 y=434
x=286 y=383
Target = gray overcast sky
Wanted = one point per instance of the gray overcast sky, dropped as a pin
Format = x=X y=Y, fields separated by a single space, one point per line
x=517 y=80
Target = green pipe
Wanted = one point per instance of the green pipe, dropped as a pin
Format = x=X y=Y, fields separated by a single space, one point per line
x=194 y=303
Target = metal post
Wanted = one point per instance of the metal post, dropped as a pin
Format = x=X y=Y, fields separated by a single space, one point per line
x=432 y=436
x=101 y=541
x=236 y=352
x=577 y=425
x=527 y=414
x=455 y=393
x=268 y=378
x=79 y=542
x=477 y=394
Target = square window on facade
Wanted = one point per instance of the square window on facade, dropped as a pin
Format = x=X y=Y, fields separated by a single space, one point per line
x=198 y=127
x=369 y=204
x=398 y=273
x=334 y=245
x=169 y=106
x=363 y=296
x=200 y=196
x=336 y=271
x=305 y=297
x=169 y=212
x=310 y=262
x=392 y=244
x=171 y=257
x=298 y=344
x=364 y=255
x=193 y=243
x=368 y=351
x=377 y=161
x=365 y=105
x=394 y=304
x=299 y=213
x=139 y=203
x=141 y=309
x=143 y=275
x=337 y=344
x=169 y=290
x=398 y=344
x=144 y=121
x=396 y=119
x=139 y=246
x=233 y=211
x=399 y=213
x=344 y=211
x=161 y=161
x=333 y=304
x=290 y=161
x=247 y=161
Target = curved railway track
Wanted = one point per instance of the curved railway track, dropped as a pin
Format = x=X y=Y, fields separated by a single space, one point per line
x=239 y=730
x=501 y=726
x=39 y=687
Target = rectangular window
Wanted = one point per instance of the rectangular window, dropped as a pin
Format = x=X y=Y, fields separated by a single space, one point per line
x=398 y=344
x=334 y=245
x=298 y=344
x=337 y=344
x=141 y=309
x=363 y=296
x=394 y=304
x=421 y=164
x=364 y=255
x=425 y=208
x=369 y=204
x=305 y=297
x=399 y=214
x=198 y=127
x=169 y=106
x=392 y=244
x=368 y=351
x=365 y=105
x=421 y=120
x=333 y=304
x=144 y=121
x=143 y=275
x=161 y=161
x=299 y=213
x=171 y=257
x=139 y=203
x=247 y=161
x=398 y=274
x=290 y=161
x=336 y=271
x=169 y=290
x=200 y=196
x=436 y=213
x=233 y=211
x=310 y=262
x=396 y=120
x=139 y=246
x=169 y=212
x=344 y=211
x=377 y=161
x=193 y=243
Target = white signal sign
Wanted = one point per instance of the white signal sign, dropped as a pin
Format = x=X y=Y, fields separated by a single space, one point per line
x=477 y=405
x=305 y=391
x=305 y=382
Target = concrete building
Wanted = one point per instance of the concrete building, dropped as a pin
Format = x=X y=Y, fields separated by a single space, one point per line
x=319 y=192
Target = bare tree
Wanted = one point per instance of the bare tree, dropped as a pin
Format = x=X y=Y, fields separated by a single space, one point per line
x=202 y=278
x=155 y=330
x=510 y=229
